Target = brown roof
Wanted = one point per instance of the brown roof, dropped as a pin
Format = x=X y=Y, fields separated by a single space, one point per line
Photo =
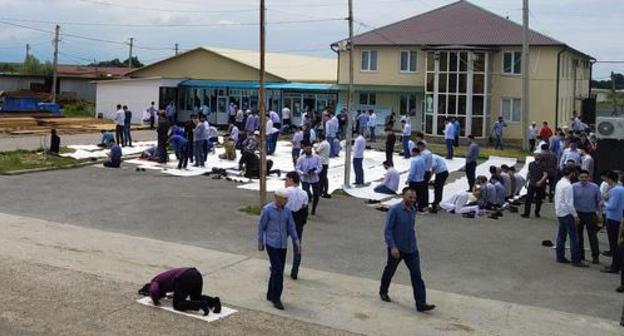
x=459 y=23
x=91 y=72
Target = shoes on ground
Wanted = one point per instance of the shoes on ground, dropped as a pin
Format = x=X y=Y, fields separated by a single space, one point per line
x=425 y=308
x=469 y=215
x=580 y=264
x=385 y=297
x=609 y=270
x=620 y=289
x=563 y=261
x=525 y=216
x=595 y=261
x=607 y=253
x=278 y=304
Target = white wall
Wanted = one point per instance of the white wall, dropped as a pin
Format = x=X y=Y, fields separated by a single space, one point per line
x=12 y=83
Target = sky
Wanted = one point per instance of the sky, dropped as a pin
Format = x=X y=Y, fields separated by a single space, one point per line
x=294 y=26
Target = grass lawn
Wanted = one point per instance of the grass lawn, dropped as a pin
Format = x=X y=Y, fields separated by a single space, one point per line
x=252 y=210
x=23 y=160
x=484 y=152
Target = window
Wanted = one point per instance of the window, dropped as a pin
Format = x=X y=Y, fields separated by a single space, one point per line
x=511 y=109
x=368 y=99
x=408 y=61
x=512 y=63
x=369 y=60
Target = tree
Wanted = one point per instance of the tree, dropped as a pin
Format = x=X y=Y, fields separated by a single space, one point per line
x=32 y=66
x=606 y=84
x=117 y=63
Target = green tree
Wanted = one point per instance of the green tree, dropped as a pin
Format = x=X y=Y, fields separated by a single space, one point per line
x=32 y=66
x=117 y=63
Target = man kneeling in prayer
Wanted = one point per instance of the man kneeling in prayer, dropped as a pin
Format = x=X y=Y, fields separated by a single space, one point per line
x=114 y=156
x=184 y=283
x=250 y=164
x=390 y=184
x=459 y=204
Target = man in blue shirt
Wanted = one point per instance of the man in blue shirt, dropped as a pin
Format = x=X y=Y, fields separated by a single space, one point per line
x=276 y=224
x=107 y=138
x=613 y=208
x=363 y=122
x=180 y=146
x=114 y=156
x=309 y=166
x=471 y=161
x=440 y=170
x=428 y=156
x=457 y=126
x=497 y=132
x=416 y=178
x=400 y=238
x=587 y=200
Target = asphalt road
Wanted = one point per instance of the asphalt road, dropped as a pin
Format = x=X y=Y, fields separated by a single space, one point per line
x=501 y=260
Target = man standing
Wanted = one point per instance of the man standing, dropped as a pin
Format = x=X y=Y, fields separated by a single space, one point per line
x=571 y=153
x=286 y=117
x=275 y=225
x=587 y=162
x=406 y=134
x=359 y=146
x=471 y=161
x=200 y=135
x=362 y=120
x=497 y=131
x=532 y=135
x=613 y=206
x=440 y=170
x=231 y=113
x=372 y=123
x=449 y=137
x=170 y=113
x=275 y=118
x=120 y=118
x=390 y=184
x=587 y=204
x=400 y=237
x=296 y=144
x=298 y=206
x=428 y=157
x=322 y=150
x=537 y=186
x=545 y=132
x=416 y=178
x=162 y=130
x=309 y=166
x=127 y=126
x=390 y=142
x=551 y=164
x=457 y=129
x=152 y=113
x=331 y=127
x=567 y=217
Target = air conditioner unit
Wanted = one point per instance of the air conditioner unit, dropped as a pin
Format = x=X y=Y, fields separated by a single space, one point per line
x=610 y=128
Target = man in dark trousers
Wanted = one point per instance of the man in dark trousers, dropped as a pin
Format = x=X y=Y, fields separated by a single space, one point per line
x=127 y=126
x=55 y=142
x=184 y=282
x=400 y=238
x=163 y=135
x=390 y=142
x=536 y=186
x=298 y=205
x=276 y=224
x=471 y=161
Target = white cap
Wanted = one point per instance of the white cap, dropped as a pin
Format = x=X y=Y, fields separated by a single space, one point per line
x=256 y=132
x=283 y=192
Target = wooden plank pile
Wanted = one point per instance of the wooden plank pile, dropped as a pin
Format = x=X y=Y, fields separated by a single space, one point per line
x=31 y=125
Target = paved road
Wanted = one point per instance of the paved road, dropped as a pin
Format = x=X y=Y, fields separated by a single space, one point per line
x=32 y=142
x=500 y=260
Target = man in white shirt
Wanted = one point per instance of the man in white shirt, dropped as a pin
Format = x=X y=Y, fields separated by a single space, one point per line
x=269 y=129
x=286 y=117
x=532 y=135
x=120 y=117
x=390 y=184
x=372 y=123
x=359 y=145
x=234 y=133
x=406 y=134
x=298 y=205
x=587 y=163
x=449 y=137
x=568 y=218
x=322 y=150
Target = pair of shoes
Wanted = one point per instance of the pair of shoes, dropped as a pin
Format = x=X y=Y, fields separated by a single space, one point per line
x=525 y=216
x=216 y=307
x=433 y=210
x=278 y=304
x=595 y=261
x=563 y=261
x=293 y=275
x=609 y=270
x=425 y=308
x=205 y=308
x=385 y=297
x=620 y=289
x=469 y=215
x=538 y=215
x=580 y=264
x=326 y=196
x=607 y=253
x=493 y=216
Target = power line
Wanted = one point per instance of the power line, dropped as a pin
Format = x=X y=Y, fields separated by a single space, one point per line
x=171 y=25
x=167 y=10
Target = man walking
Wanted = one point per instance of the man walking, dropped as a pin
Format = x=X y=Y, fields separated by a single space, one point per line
x=471 y=161
x=537 y=186
x=170 y=113
x=406 y=134
x=532 y=135
x=449 y=137
x=400 y=237
x=587 y=204
x=309 y=166
x=127 y=126
x=567 y=217
x=298 y=206
x=276 y=224
x=372 y=123
x=120 y=118
x=359 y=146
x=322 y=150
x=497 y=131
x=440 y=170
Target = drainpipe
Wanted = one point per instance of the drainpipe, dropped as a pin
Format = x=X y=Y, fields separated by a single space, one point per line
x=591 y=74
x=557 y=86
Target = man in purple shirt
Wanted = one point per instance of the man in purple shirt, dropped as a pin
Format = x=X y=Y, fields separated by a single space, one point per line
x=183 y=282
x=309 y=166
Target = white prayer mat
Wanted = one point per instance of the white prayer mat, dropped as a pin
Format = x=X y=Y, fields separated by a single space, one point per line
x=368 y=193
x=166 y=304
x=84 y=147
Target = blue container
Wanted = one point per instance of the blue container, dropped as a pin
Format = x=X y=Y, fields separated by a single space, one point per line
x=50 y=107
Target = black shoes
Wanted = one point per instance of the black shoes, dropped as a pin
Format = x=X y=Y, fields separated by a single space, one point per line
x=278 y=304
x=217 y=306
x=293 y=276
x=620 y=289
x=425 y=308
x=609 y=270
x=469 y=215
x=326 y=196
x=579 y=264
x=525 y=216
x=385 y=297
x=607 y=254
x=595 y=261
x=538 y=215
x=563 y=261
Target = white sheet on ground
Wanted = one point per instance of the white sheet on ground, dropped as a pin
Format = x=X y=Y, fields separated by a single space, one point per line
x=166 y=305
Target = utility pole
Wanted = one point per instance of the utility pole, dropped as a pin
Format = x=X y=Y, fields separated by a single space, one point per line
x=525 y=74
x=130 y=56
x=263 y=149
x=57 y=29
x=347 y=171
x=96 y=68
x=27 y=50
x=176 y=48
x=613 y=94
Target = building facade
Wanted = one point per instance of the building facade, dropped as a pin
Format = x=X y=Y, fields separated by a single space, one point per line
x=462 y=61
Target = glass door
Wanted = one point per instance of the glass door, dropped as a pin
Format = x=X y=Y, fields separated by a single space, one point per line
x=222 y=107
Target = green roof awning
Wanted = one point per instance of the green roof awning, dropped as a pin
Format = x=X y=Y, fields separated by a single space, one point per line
x=381 y=88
